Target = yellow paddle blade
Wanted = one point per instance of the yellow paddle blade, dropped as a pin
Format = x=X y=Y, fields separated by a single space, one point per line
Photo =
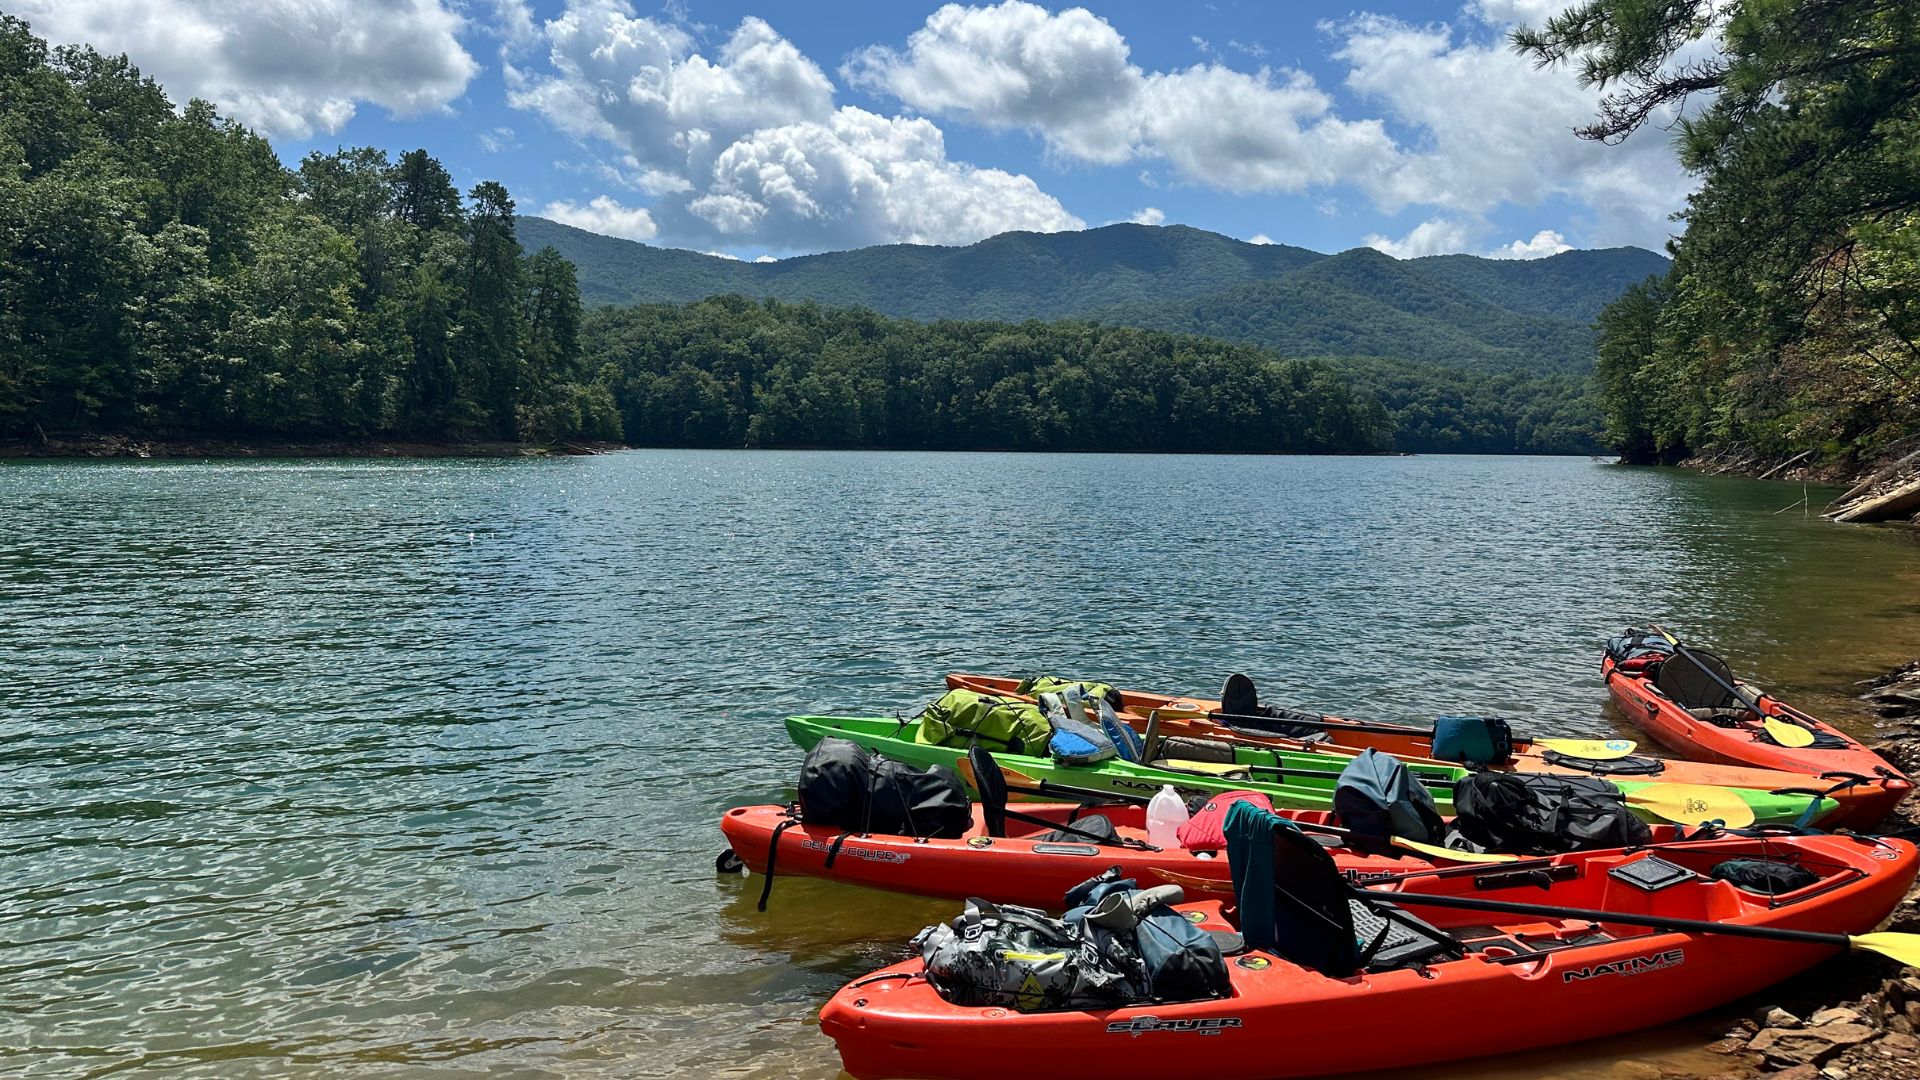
x=1904 y=948
x=1787 y=734
x=1437 y=852
x=1591 y=749
x=1691 y=804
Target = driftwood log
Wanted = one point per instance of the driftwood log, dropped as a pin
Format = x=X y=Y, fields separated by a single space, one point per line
x=1890 y=492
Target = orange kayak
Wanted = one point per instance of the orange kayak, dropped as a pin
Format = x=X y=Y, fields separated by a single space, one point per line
x=1193 y=717
x=1475 y=983
x=1022 y=867
x=1867 y=787
x=1018 y=868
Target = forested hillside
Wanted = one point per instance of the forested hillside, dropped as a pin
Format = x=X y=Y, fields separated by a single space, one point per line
x=1456 y=310
x=1790 y=321
x=164 y=275
x=736 y=372
x=161 y=271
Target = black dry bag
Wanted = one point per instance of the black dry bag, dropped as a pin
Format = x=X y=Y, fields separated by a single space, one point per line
x=843 y=785
x=1534 y=814
x=1379 y=798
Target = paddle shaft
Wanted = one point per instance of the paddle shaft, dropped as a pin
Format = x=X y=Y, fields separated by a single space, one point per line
x=1328 y=774
x=1693 y=926
x=1268 y=723
x=1754 y=706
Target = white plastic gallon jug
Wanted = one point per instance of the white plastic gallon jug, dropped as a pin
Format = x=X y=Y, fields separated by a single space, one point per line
x=1165 y=814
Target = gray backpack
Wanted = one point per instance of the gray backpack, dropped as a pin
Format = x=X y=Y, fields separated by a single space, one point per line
x=1018 y=957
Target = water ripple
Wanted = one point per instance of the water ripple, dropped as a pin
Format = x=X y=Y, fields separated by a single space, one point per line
x=410 y=769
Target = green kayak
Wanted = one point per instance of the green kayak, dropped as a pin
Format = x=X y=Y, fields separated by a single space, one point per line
x=1293 y=779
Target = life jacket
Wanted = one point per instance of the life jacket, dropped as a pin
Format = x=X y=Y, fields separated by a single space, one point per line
x=1075 y=740
x=1206 y=829
x=1048 y=684
x=965 y=717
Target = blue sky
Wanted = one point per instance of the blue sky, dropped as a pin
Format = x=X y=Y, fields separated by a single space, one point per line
x=758 y=130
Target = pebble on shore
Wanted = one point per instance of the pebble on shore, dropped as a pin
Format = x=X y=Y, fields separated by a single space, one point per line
x=1875 y=1033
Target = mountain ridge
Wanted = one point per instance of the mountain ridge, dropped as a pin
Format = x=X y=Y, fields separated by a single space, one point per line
x=1453 y=310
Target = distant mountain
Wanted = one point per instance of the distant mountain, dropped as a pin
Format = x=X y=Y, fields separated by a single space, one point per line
x=1457 y=310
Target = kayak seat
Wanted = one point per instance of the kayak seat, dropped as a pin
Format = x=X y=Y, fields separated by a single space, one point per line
x=1093 y=824
x=1190 y=749
x=1294 y=903
x=1409 y=941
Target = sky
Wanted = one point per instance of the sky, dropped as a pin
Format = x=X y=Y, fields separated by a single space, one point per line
x=763 y=130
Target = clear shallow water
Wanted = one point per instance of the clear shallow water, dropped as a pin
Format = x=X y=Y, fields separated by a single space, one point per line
x=410 y=769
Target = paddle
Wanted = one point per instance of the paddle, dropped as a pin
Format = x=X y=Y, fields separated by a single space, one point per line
x=1790 y=735
x=1591 y=749
x=1683 y=804
x=1025 y=783
x=1904 y=948
x=965 y=768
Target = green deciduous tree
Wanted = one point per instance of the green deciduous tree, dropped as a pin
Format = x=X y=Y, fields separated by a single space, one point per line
x=1786 y=325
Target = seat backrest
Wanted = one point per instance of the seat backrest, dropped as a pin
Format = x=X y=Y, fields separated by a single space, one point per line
x=1692 y=683
x=992 y=788
x=1292 y=900
x=1239 y=697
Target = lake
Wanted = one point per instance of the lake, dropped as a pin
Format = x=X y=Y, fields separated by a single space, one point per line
x=411 y=768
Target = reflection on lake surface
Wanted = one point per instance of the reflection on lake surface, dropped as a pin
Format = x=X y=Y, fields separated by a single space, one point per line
x=411 y=768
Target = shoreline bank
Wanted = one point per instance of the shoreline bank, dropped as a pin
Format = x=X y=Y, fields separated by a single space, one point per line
x=1853 y=1019
x=103 y=447
x=1884 y=489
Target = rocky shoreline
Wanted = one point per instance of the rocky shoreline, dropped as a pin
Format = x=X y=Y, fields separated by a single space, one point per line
x=1849 y=1020
x=1886 y=489
x=126 y=446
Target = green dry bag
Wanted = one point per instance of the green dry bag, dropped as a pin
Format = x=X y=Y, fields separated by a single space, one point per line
x=964 y=717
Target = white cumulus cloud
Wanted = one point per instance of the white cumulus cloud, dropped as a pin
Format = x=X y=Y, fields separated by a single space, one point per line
x=1148 y=215
x=1068 y=78
x=1260 y=238
x=1495 y=130
x=1436 y=237
x=1544 y=243
x=748 y=146
x=604 y=215
x=1450 y=118
x=285 y=67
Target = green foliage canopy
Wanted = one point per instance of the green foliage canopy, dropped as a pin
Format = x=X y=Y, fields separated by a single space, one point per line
x=162 y=272
x=1788 y=321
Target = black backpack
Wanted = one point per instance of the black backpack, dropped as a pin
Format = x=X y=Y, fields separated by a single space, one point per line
x=842 y=784
x=1378 y=798
x=1536 y=814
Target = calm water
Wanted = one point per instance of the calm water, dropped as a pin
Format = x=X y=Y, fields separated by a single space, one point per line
x=410 y=769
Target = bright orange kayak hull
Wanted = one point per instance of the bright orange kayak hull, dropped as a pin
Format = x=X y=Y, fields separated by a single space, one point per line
x=1282 y=1020
x=1743 y=745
